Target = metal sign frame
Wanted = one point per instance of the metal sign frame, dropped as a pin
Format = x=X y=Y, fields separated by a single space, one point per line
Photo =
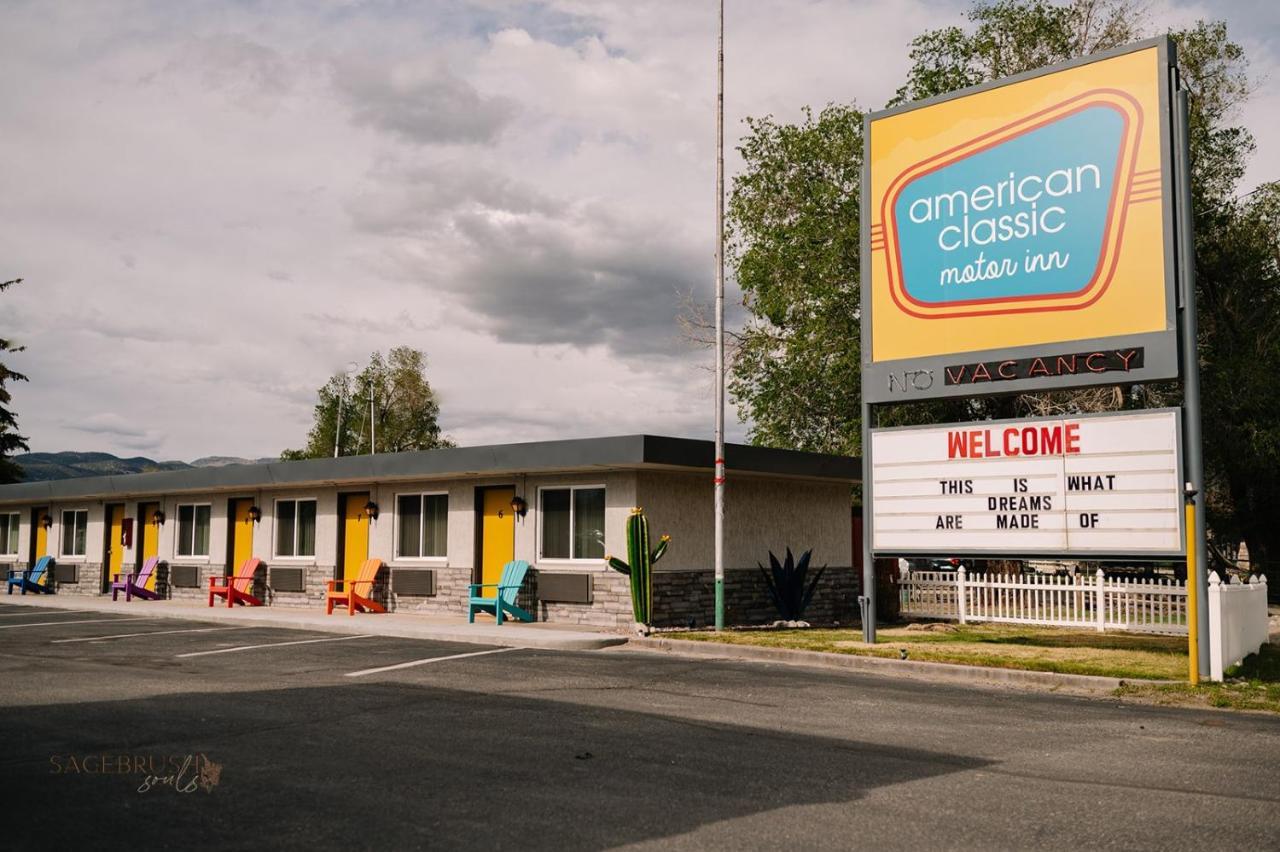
x=1179 y=337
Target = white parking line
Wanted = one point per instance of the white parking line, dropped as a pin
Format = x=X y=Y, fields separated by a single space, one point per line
x=148 y=633
x=76 y=621
x=413 y=663
x=34 y=611
x=273 y=645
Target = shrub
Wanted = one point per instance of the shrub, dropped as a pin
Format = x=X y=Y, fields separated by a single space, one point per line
x=786 y=584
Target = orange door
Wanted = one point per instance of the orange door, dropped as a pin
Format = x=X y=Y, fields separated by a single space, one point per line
x=355 y=536
x=497 y=535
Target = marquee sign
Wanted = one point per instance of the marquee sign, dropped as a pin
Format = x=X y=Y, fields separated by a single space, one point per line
x=1102 y=485
x=1018 y=223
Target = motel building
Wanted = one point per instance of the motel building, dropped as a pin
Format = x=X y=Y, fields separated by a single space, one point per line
x=443 y=519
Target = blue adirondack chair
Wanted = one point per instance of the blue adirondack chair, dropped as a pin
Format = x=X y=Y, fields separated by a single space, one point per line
x=33 y=578
x=513 y=574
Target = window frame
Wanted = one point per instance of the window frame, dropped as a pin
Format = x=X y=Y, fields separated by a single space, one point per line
x=571 y=559
x=62 y=524
x=396 y=527
x=177 y=532
x=13 y=526
x=275 y=522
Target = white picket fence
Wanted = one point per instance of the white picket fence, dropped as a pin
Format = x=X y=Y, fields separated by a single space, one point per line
x=1238 y=618
x=1238 y=622
x=1090 y=601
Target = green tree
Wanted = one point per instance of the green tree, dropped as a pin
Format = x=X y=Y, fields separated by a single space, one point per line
x=10 y=441
x=792 y=242
x=792 y=231
x=405 y=409
x=1012 y=36
x=1238 y=283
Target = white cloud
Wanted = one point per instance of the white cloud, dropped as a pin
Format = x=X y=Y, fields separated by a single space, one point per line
x=120 y=431
x=421 y=102
x=217 y=205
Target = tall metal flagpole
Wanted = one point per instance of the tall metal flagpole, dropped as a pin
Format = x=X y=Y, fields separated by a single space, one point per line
x=719 y=475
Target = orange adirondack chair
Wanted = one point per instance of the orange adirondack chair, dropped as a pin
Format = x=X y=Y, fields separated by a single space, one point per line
x=236 y=589
x=350 y=597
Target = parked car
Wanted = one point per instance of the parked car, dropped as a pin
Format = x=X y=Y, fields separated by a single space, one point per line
x=930 y=564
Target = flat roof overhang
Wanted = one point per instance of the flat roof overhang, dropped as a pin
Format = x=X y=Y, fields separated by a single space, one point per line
x=624 y=452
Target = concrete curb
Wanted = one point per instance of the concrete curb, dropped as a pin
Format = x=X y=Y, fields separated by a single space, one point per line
x=915 y=669
x=392 y=624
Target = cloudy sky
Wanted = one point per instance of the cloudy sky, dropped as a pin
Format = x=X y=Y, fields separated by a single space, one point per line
x=216 y=205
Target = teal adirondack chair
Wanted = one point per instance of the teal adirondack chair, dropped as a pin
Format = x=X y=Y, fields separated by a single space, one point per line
x=33 y=579
x=513 y=574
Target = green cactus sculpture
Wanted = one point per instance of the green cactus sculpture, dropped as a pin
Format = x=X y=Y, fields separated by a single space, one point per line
x=640 y=569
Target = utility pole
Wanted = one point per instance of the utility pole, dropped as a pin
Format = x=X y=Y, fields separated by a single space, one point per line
x=719 y=473
x=342 y=392
x=337 y=426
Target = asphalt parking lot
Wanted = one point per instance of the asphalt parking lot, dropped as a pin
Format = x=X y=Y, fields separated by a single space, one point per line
x=296 y=738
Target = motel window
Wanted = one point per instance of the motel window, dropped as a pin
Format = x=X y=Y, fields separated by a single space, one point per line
x=9 y=534
x=424 y=525
x=75 y=531
x=193 y=529
x=295 y=528
x=572 y=523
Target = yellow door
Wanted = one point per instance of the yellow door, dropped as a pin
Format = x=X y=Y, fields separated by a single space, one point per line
x=41 y=545
x=355 y=535
x=115 y=549
x=241 y=534
x=42 y=534
x=498 y=535
x=150 y=536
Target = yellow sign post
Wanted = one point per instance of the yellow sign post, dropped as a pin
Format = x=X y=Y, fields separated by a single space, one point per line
x=1193 y=600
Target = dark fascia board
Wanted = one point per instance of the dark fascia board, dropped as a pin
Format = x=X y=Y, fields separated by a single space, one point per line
x=687 y=452
x=620 y=452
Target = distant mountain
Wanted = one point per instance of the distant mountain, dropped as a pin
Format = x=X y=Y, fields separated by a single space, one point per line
x=223 y=461
x=41 y=467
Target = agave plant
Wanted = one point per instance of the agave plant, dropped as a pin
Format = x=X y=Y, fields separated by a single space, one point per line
x=786 y=584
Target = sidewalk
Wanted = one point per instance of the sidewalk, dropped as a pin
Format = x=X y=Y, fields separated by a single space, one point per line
x=401 y=625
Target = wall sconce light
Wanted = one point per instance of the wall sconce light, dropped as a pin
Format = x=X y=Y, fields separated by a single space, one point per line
x=157 y=517
x=371 y=509
x=255 y=514
x=519 y=506
x=46 y=521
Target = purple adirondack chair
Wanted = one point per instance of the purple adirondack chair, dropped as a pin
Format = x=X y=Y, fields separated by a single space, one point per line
x=135 y=584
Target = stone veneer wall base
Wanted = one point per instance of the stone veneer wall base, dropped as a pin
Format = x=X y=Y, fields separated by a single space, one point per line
x=450 y=597
x=687 y=598
x=89 y=580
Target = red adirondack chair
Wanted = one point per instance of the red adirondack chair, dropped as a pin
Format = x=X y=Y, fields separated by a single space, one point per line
x=236 y=589
x=350 y=596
